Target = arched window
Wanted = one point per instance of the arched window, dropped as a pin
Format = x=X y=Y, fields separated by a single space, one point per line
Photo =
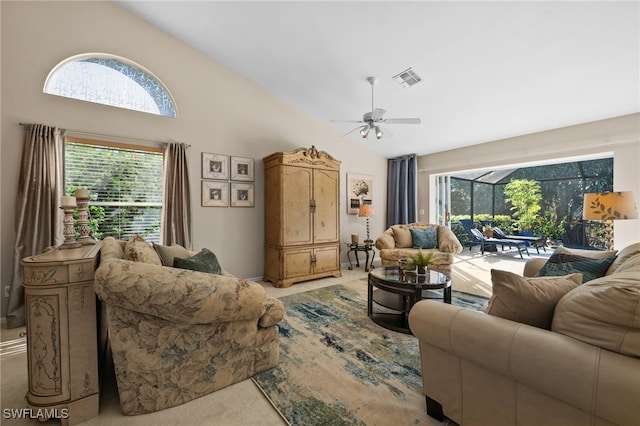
x=110 y=80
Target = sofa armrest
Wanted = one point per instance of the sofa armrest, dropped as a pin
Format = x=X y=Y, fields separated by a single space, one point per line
x=447 y=240
x=273 y=314
x=386 y=240
x=590 y=378
x=533 y=266
x=178 y=295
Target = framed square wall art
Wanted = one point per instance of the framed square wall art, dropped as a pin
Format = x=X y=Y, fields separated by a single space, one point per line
x=359 y=190
x=215 y=166
x=215 y=194
x=242 y=168
x=242 y=195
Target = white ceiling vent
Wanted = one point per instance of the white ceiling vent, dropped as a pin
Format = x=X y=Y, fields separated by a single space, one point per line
x=407 y=78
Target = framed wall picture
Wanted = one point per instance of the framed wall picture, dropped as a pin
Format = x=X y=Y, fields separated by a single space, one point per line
x=242 y=168
x=215 y=194
x=215 y=166
x=359 y=190
x=242 y=195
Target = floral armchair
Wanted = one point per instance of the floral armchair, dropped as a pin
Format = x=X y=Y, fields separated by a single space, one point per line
x=177 y=334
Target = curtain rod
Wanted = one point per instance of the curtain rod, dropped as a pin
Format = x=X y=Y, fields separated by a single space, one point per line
x=112 y=137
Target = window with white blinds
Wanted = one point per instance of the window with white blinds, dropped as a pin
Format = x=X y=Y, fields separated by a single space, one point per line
x=124 y=184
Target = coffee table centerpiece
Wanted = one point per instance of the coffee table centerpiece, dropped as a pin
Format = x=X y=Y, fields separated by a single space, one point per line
x=393 y=290
x=418 y=263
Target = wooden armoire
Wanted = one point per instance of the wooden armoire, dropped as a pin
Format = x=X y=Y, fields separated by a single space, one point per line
x=302 y=217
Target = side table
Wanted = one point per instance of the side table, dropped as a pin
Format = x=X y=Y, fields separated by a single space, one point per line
x=62 y=343
x=366 y=248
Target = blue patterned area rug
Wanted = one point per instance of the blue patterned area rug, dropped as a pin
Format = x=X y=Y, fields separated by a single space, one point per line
x=337 y=367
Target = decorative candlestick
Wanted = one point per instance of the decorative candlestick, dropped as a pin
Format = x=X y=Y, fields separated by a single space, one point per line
x=82 y=198
x=69 y=230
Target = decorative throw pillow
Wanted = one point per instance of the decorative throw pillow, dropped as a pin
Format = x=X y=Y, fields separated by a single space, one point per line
x=168 y=253
x=564 y=263
x=528 y=300
x=592 y=254
x=402 y=236
x=204 y=261
x=138 y=250
x=426 y=238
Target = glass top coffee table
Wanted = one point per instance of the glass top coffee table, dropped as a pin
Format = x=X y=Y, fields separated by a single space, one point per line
x=392 y=292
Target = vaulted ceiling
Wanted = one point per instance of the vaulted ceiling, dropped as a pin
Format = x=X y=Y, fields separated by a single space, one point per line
x=489 y=70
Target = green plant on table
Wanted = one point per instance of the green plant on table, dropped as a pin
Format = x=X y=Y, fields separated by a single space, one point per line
x=422 y=261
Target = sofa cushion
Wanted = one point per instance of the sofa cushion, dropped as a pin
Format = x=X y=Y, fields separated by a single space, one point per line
x=562 y=262
x=604 y=312
x=627 y=259
x=138 y=250
x=168 y=253
x=426 y=238
x=111 y=249
x=402 y=235
x=203 y=261
x=528 y=300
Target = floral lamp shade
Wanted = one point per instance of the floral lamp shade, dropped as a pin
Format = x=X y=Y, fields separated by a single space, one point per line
x=607 y=207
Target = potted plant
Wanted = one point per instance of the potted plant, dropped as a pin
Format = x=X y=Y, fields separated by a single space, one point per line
x=550 y=227
x=487 y=230
x=422 y=261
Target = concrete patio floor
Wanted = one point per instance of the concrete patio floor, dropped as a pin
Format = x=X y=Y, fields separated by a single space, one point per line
x=472 y=269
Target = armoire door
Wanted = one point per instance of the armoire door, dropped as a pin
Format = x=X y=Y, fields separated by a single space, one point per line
x=297 y=262
x=297 y=187
x=327 y=259
x=326 y=187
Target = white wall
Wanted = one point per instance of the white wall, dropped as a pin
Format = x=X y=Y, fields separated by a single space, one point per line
x=219 y=111
x=618 y=137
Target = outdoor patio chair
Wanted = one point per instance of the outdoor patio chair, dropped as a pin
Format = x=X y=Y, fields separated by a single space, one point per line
x=477 y=238
x=535 y=242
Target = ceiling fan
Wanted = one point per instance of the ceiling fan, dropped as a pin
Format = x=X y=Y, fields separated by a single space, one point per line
x=372 y=120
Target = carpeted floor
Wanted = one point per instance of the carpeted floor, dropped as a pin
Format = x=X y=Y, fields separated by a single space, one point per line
x=240 y=404
x=337 y=367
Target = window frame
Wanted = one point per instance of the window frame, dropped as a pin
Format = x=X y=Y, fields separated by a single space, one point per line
x=124 y=146
x=95 y=58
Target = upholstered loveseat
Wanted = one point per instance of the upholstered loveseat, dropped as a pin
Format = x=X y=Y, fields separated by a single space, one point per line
x=397 y=243
x=481 y=369
x=178 y=334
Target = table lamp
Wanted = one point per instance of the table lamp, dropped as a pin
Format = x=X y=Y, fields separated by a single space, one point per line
x=367 y=210
x=607 y=207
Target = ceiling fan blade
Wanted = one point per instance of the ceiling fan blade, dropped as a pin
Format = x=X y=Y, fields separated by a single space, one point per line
x=402 y=121
x=346 y=121
x=357 y=128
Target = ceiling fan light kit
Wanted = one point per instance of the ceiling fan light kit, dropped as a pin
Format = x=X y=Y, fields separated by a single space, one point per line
x=373 y=119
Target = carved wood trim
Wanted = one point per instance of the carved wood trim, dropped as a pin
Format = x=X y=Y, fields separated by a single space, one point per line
x=309 y=157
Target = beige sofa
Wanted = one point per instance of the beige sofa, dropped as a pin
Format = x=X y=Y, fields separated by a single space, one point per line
x=396 y=243
x=178 y=334
x=479 y=369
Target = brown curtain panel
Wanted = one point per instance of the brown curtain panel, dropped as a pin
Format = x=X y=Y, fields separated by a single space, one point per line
x=38 y=216
x=176 y=205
